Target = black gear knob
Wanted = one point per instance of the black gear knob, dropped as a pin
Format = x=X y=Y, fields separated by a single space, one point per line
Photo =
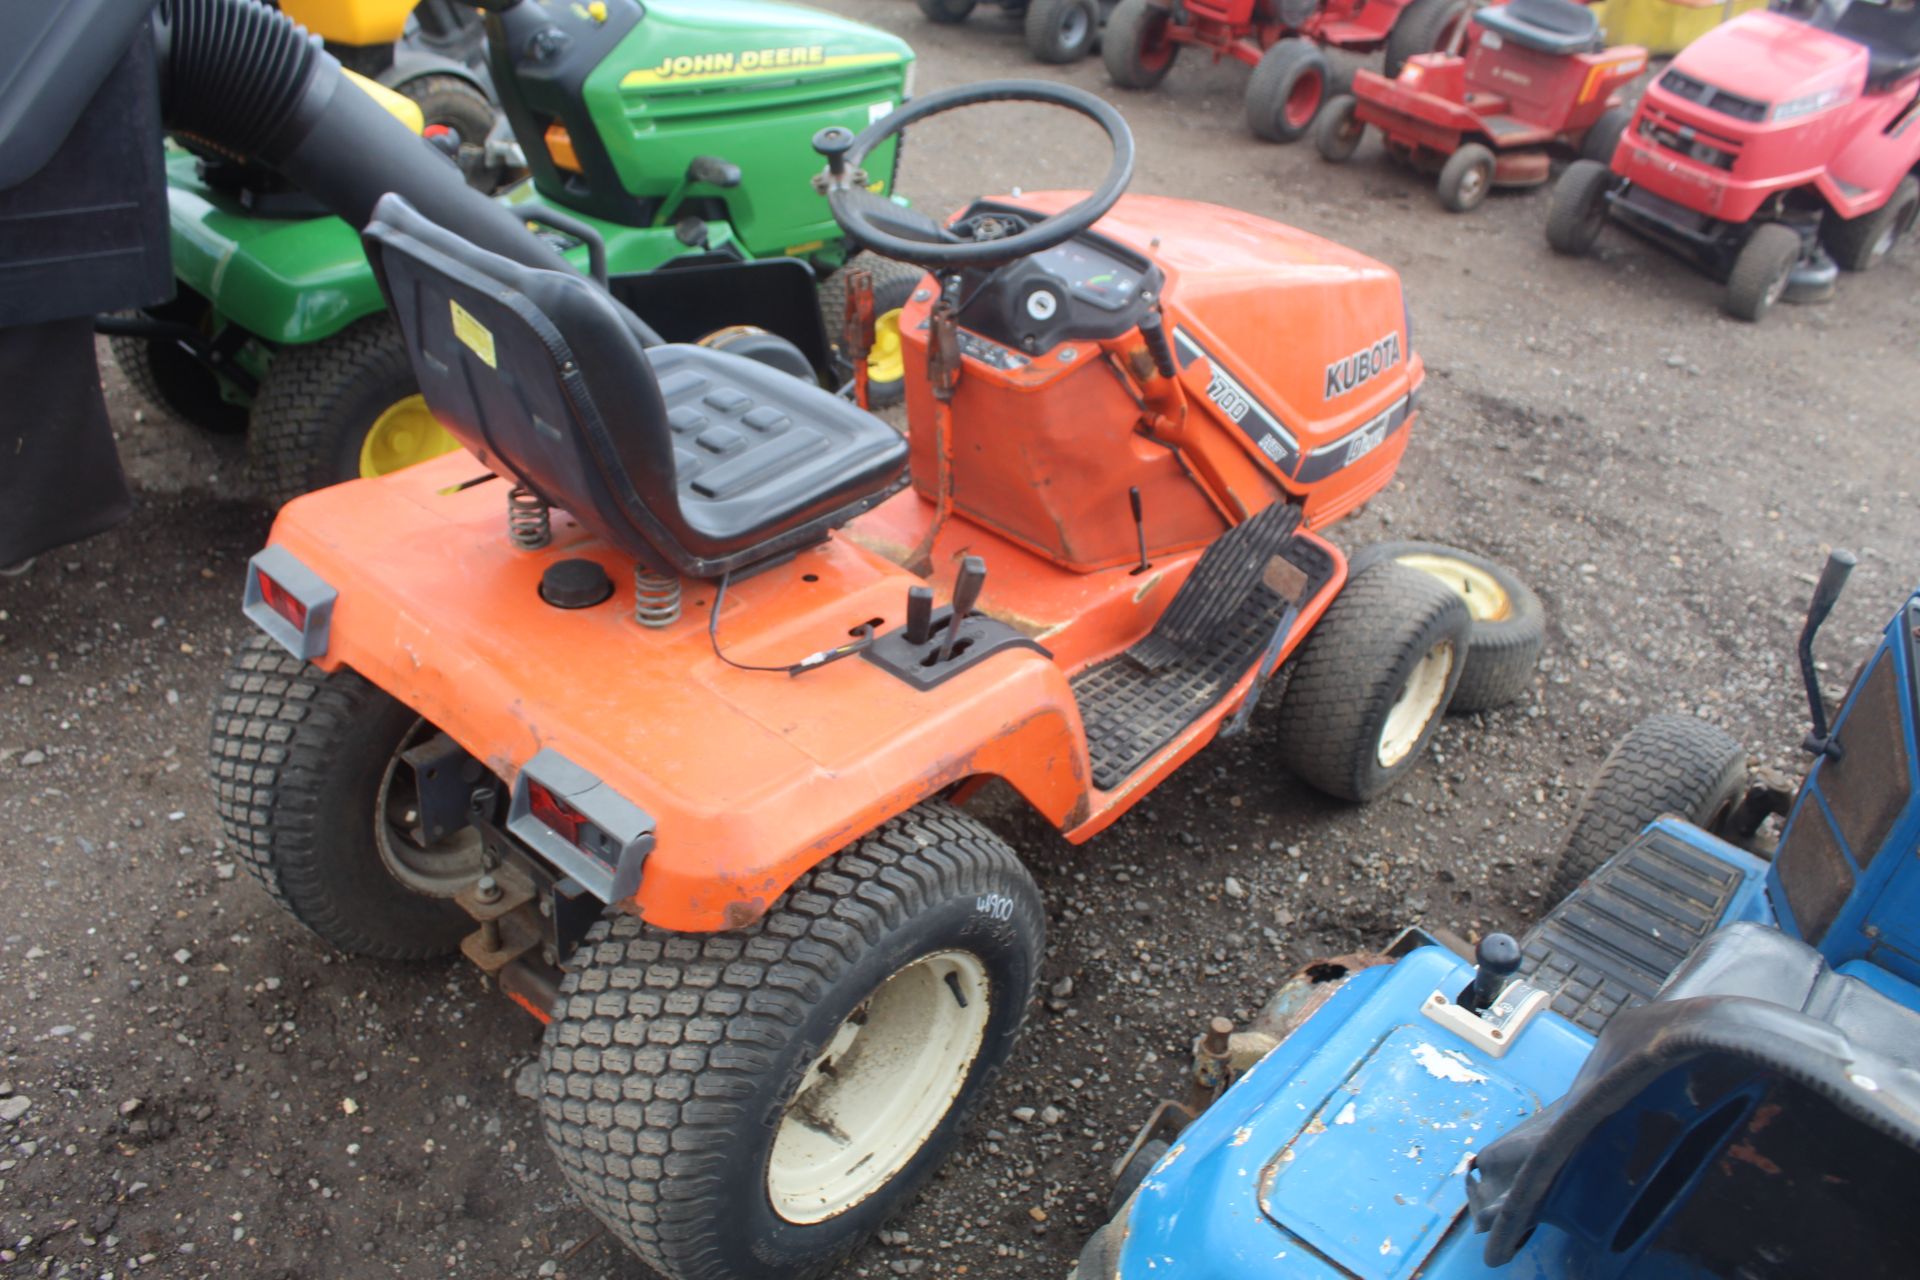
x=834 y=142
x=1495 y=960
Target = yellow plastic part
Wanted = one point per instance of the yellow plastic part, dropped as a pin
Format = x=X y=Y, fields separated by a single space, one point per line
x=886 y=361
x=398 y=105
x=355 y=22
x=404 y=434
x=1666 y=27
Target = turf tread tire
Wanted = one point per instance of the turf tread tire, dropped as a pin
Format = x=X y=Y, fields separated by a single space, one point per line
x=662 y=1042
x=1352 y=667
x=893 y=286
x=1853 y=241
x=286 y=738
x=1603 y=139
x=309 y=401
x=1419 y=29
x=1278 y=73
x=1041 y=27
x=1120 y=45
x=1763 y=264
x=174 y=382
x=1501 y=656
x=1456 y=195
x=1572 y=225
x=1336 y=134
x=946 y=12
x=1666 y=764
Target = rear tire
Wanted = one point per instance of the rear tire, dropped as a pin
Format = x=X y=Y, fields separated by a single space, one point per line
x=1060 y=31
x=1136 y=48
x=172 y=381
x=1666 y=764
x=675 y=1064
x=1466 y=178
x=947 y=12
x=1287 y=90
x=1134 y=1174
x=1425 y=26
x=1603 y=139
x=1372 y=682
x=893 y=286
x=1336 y=134
x=298 y=758
x=1863 y=243
x=1509 y=628
x=1579 y=210
x=320 y=401
x=1760 y=272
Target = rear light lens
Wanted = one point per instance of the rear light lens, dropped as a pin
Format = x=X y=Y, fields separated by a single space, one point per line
x=555 y=814
x=281 y=601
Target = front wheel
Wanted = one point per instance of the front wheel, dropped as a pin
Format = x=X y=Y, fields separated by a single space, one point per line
x=1761 y=271
x=1372 y=682
x=1579 y=209
x=1337 y=134
x=1286 y=91
x=1466 y=178
x=1062 y=30
x=1138 y=47
x=1666 y=764
x=757 y=1103
x=346 y=406
x=307 y=780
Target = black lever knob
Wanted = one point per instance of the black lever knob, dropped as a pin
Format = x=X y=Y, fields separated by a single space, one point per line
x=1495 y=960
x=966 y=592
x=834 y=142
x=919 y=614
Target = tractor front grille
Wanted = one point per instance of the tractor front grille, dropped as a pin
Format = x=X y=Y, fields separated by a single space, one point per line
x=1703 y=94
x=1669 y=134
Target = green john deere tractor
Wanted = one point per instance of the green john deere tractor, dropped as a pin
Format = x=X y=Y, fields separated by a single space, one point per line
x=667 y=146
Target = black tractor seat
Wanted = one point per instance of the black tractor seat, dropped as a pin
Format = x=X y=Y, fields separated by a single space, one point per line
x=688 y=459
x=1891 y=37
x=1760 y=1118
x=1559 y=27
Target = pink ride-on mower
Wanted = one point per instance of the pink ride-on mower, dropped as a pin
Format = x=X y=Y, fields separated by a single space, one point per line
x=1280 y=39
x=1535 y=77
x=1774 y=152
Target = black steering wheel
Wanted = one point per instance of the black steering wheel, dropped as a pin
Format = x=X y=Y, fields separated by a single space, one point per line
x=908 y=235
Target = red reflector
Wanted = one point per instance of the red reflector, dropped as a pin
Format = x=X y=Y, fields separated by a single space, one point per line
x=556 y=813
x=281 y=601
x=436 y=131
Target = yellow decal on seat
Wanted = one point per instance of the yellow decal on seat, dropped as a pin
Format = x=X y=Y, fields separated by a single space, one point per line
x=477 y=337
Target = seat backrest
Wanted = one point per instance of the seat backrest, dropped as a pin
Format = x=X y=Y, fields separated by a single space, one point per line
x=524 y=366
x=1549 y=26
x=1881 y=26
x=1761 y=1118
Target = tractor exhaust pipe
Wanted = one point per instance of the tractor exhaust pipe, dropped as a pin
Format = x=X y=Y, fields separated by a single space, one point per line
x=244 y=80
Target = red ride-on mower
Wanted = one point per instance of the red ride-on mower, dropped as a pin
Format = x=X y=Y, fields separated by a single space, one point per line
x=1773 y=152
x=1535 y=78
x=663 y=710
x=1280 y=39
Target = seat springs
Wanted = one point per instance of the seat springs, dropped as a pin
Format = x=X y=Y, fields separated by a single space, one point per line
x=529 y=520
x=656 y=598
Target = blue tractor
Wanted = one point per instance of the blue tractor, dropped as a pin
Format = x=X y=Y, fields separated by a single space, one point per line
x=1705 y=1061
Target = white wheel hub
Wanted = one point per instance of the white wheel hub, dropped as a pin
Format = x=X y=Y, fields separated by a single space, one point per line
x=1419 y=702
x=885 y=1080
x=1486 y=599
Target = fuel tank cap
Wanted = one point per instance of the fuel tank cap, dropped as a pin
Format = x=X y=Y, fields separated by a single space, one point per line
x=575 y=584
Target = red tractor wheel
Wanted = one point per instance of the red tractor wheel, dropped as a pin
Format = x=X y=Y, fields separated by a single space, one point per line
x=1138 y=46
x=1425 y=26
x=1286 y=91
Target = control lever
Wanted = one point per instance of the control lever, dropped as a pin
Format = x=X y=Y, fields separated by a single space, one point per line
x=966 y=592
x=1833 y=580
x=1153 y=328
x=1495 y=960
x=919 y=614
x=834 y=142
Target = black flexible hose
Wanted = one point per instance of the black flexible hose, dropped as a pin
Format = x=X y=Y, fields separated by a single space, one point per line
x=247 y=81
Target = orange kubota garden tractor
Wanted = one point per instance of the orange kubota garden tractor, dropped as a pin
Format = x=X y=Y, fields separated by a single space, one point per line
x=664 y=709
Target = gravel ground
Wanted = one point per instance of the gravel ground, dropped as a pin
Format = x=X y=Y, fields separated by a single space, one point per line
x=191 y=1086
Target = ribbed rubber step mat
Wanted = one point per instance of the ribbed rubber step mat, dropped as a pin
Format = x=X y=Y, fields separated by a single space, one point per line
x=1614 y=941
x=1217 y=626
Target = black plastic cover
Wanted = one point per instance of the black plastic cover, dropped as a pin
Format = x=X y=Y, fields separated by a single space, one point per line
x=1547 y=26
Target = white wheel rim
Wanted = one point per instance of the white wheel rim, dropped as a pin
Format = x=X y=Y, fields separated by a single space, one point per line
x=886 y=1079
x=1486 y=599
x=1418 y=703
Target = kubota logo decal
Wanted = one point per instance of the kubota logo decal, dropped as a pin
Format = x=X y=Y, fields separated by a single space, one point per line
x=729 y=64
x=1363 y=366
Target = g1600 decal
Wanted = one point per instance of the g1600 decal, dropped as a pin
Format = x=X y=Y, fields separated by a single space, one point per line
x=1362 y=366
x=1232 y=398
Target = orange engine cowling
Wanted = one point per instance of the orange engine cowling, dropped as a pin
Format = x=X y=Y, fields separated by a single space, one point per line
x=1295 y=372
